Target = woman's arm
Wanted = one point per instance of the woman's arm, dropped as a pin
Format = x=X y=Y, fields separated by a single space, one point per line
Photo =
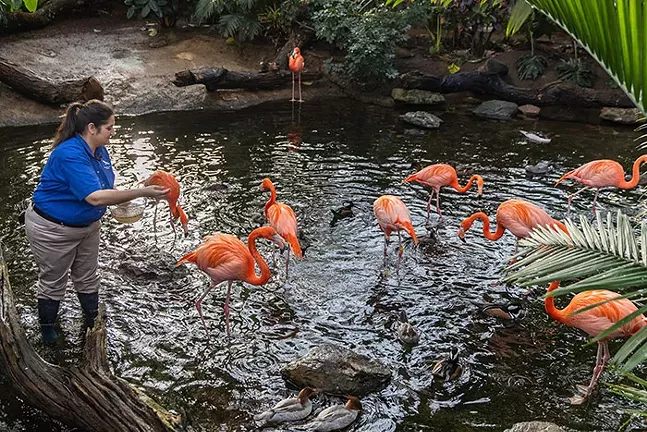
x=105 y=197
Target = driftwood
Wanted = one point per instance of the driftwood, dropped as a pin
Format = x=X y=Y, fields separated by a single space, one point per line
x=30 y=84
x=45 y=14
x=221 y=78
x=481 y=82
x=88 y=396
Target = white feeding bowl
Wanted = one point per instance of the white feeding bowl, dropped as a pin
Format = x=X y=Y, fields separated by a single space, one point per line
x=128 y=212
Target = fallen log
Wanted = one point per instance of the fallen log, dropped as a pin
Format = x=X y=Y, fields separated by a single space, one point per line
x=481 y=82
x=221 y=78
x=28 y=83
x=89 y=396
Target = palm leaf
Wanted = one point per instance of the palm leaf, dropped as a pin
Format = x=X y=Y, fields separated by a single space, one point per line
x=604 y=256
x=518 y=16
x=614 y=32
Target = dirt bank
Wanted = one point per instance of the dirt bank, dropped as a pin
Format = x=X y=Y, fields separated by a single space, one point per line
x=135 y=75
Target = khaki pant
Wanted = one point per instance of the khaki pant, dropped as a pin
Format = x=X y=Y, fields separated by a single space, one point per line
x=60 y=251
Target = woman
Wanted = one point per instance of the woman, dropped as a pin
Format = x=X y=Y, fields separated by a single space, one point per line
x=63 y=224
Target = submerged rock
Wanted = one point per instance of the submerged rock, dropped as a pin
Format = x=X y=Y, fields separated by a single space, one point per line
x=338 y=370
x=417 y=97
x=496 y=109
x=621 y=115
x=529 y=110
x=535 y=426
x=422 y=119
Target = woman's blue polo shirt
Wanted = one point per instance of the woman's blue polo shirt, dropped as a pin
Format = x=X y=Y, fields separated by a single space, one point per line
x=73 y=172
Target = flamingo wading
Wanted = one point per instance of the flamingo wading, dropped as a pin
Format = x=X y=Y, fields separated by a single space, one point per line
x=167 y=180
x=602 y=173
x=594 y=321
x=223 y=257
x=393 y=215
x=282 y=218
x=296 y=64
x=439 y=175
x=518 y=216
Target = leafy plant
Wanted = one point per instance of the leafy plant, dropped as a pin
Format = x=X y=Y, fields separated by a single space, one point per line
x=237 y=18
x=368 y=34
x=277 y=19
x=531 y=67
x=166 y=11
x=577 y=71
x=7 y=6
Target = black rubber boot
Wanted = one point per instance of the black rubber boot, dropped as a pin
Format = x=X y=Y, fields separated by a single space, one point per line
x=90 y=306
x=47 y=312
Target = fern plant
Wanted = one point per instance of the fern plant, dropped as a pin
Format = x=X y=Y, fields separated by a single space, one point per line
x=238 y=19
x=576 y=71
x=531 y=67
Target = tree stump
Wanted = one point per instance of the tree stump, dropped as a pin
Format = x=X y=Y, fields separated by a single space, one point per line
x=88 y=397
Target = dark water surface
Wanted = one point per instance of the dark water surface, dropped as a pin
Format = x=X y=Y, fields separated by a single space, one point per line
x=341 y=292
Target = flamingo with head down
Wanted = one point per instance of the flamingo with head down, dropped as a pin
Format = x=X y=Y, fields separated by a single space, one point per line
x=392 y=215
x=167 y=180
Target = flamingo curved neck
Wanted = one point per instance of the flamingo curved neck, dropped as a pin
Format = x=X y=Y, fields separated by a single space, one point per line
x=272 y=199
x=255 y=279
x=549 y=305
x=465 y=188
x=496 y=235
x=635 y=174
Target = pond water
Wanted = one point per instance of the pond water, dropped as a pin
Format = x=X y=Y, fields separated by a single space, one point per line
x=320 y=155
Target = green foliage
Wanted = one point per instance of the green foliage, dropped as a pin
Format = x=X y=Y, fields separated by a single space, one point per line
x=577 y=71
x=531 y=67
x=277 y=20
x=7 y=6
x=368 y=34
x=165 y=10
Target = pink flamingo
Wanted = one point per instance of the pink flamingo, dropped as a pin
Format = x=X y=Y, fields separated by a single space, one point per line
x=439 y=175
x=296 y=64
x=223 y=257
x=393 y=215
x=600 y=174
x=595 y=321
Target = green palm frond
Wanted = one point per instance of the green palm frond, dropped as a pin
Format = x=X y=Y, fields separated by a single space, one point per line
x=614 y=32
x=605 y=256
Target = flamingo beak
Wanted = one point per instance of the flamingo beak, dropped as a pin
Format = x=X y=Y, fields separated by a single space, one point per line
x=282 y=244
x=461 y=235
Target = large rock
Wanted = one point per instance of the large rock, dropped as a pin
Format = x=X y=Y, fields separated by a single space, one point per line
x=496 y=109
x=422 y=119
x=496 y=66
x=529 y=110
x=535 y=426
x=417 y=97
x=334 y=369
x=621 y=115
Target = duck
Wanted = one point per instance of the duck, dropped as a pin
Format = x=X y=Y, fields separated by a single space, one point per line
x=449 y=368
x=406 y=332
x=342 y=212
x=505 y=311
x=288 y=410
x=335 y=417
x=535 y=137
x=540 y=168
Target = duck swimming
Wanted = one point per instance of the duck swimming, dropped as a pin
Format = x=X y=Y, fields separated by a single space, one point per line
x=535 y=137
x=335 y=417
x=290 y=409
x=504 y=311
x=342 y=212
x=449 y=368
x=406 y=332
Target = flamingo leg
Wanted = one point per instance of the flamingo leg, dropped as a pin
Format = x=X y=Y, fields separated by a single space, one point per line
x=300 y=99
x=595 y=199
x=227 y=307
x=173 y=226
x=431 y=195
x=287 y=264
x=570 y=199
x=438 y=204
x=386 y=242
x=155 y=222
x=292 y=100
x=198 y=305
x=400 y=249
x=601 y=360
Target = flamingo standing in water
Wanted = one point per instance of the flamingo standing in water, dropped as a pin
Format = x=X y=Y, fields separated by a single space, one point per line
x=223 y=257
x=595 y=321
x=296 y=64
x=393 y=215
x=439 y=175
x=602 y=173
x=518 y=216
x=282 y=218
x=165 y=179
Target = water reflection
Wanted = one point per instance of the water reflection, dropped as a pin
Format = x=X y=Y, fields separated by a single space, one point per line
x=320 y=158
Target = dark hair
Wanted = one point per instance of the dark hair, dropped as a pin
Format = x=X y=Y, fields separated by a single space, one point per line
x=79 y=115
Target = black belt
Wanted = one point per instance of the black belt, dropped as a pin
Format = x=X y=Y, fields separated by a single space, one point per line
x=56 y=221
